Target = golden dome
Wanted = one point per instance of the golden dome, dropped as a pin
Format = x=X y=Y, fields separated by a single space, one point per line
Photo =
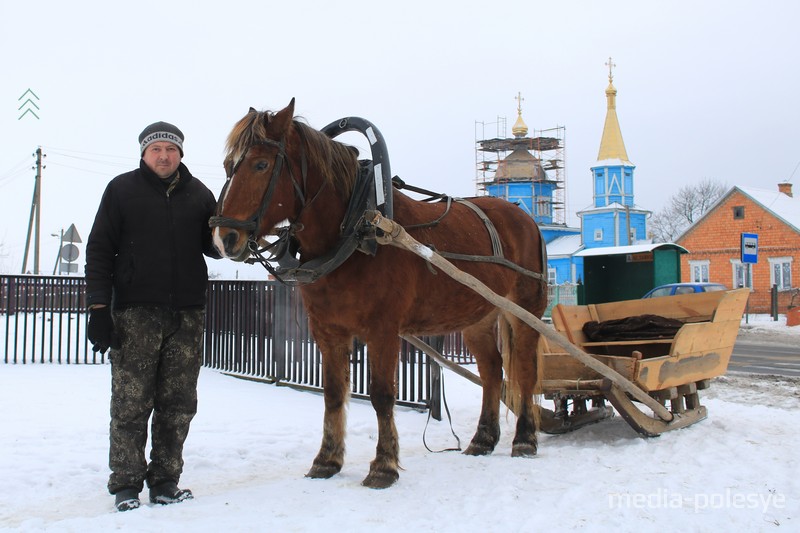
x=520 y=129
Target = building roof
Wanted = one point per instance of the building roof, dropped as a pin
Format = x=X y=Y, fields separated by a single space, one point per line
x=612 y=163
x=564 y=246
x=632 y=249
x=613 y=206
x=783 y=206
x=520 y=164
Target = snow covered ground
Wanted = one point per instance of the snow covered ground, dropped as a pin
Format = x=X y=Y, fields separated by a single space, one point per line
x=251 y=444
x=764 y=329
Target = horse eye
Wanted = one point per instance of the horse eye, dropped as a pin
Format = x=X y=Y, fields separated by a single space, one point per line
x=262 y=165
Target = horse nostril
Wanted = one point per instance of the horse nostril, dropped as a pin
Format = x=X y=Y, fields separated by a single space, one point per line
x=230 y=240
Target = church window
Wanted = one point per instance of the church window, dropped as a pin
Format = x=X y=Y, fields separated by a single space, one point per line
x=598 y=234
x=738 y=212
x=542 y=206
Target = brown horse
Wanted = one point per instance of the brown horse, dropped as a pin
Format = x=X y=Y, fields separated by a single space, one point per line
x=377 y=297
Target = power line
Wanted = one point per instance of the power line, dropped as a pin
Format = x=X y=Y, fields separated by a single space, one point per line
x=125 y=161
x=114 y=163
x=51 y=149
x=24 y=164
x=793 y=171
x=85 y=170
x=7 y=179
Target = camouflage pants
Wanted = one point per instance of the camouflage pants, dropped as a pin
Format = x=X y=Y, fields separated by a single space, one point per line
x=154 y=372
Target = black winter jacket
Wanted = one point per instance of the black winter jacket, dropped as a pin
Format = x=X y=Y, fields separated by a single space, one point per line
x=146 y=247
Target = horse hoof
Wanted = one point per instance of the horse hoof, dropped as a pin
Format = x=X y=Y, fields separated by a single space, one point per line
x=323 y=471
x=523 y=450
x=478 y=449
x=380 y=480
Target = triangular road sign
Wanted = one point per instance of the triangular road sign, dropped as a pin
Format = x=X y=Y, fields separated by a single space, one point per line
x=71 y=235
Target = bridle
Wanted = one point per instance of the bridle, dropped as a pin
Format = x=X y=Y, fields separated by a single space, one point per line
x=354 y=232
x=253 y=223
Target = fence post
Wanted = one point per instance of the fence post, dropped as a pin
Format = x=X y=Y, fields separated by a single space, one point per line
x=774 y=302
x=282 y=313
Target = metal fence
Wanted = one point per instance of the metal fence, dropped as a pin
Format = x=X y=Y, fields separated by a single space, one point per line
x=566 y=294
x=43 y=320
x=259 y=329
x=254 y=329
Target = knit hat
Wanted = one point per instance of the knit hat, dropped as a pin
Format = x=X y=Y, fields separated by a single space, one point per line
x=161 y=131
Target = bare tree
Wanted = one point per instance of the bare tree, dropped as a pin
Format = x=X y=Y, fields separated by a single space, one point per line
x=684 y=208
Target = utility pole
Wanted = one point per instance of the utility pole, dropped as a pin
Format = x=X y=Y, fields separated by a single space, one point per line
x=60 y=244
x=35 y=218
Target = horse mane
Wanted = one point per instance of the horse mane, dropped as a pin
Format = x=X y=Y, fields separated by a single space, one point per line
x=336 y=162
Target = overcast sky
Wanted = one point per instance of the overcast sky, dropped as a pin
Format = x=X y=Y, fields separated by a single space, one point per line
x=706 y=89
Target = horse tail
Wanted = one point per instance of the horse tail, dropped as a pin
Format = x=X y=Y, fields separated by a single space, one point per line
x=522 y=366
x=517 y=368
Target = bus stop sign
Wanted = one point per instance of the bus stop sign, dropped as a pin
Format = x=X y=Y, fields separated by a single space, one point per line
x=749 y=248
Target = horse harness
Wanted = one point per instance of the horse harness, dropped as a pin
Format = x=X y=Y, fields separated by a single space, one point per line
x=355 y=232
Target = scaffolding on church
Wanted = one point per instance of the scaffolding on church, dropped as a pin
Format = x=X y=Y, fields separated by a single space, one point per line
x=547 y=146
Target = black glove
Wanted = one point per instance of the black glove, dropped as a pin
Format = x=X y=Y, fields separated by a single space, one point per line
x=101 y=330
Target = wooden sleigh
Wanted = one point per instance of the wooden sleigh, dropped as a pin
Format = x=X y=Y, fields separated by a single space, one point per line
x=661 y=375
x=669 y=369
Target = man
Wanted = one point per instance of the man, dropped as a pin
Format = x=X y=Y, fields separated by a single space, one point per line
x=146 y=285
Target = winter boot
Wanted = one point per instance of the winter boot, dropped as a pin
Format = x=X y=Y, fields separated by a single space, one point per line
x=168 y=492
x=127 y=499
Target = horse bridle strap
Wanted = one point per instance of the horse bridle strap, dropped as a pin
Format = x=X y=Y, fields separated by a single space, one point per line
x=251 y=224
x=355 y=234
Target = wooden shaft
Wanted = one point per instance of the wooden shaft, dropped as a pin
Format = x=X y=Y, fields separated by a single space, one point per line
x=441 y=359
x=396 y=235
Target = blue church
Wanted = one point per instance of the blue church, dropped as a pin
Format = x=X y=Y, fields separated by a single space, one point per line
x=530 y=175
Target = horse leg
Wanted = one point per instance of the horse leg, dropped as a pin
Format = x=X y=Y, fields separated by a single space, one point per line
x=482 y=343
x=523 y=374
x=336 y=391
x=383 y=370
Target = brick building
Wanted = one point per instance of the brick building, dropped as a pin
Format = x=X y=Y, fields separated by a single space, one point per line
x=714 y=244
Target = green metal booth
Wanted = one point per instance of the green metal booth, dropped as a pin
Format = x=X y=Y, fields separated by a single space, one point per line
x=619 y=273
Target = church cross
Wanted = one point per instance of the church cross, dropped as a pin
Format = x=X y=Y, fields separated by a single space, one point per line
x=610 y=65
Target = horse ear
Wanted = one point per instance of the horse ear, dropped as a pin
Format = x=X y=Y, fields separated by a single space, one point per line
x=280 y=122
x=252 y=110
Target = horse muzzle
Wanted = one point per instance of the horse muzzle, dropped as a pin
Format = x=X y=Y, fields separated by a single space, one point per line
x=231 y=243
